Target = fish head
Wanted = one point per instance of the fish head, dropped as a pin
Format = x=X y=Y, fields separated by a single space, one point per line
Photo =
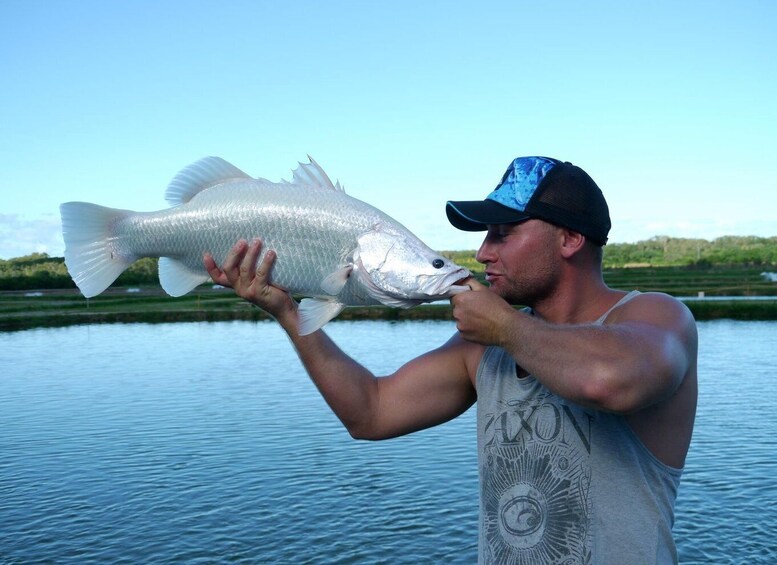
x=398 y=269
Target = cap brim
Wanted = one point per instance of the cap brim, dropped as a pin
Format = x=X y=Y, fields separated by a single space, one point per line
x=477 y=215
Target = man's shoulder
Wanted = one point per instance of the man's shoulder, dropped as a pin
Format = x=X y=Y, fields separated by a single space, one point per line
x=660 y=300
x=656 y=308
x=467 y=352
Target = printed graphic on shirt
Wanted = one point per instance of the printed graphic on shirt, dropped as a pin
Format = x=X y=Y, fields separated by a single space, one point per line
x=536 y=481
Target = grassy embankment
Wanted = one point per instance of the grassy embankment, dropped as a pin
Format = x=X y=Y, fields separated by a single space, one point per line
x=51 y=308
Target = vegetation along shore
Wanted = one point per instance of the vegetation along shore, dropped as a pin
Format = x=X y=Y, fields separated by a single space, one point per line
x=730 y=277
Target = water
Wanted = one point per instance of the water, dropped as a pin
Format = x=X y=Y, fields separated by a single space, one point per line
x=206 y=443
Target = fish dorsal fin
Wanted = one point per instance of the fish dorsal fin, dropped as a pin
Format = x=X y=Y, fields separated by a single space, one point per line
x=312 y=174
x=201 y=175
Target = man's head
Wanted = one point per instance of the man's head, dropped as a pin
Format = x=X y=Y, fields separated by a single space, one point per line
x=540 y=188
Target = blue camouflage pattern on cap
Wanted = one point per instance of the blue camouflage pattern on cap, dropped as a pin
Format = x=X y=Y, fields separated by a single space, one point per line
x=520 y=181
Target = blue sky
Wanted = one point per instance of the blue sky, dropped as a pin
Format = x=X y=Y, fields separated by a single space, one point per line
x=671 y=106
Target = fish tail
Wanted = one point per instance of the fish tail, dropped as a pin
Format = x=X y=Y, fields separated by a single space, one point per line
x=90 y=256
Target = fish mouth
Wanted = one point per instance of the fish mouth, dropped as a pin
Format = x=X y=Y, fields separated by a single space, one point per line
x=445 y=287
x=458 y=289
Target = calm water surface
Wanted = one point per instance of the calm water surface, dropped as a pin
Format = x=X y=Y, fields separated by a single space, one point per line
x=206 y=443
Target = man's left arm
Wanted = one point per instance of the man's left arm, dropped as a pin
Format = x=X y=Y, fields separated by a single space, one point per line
x=636 y=359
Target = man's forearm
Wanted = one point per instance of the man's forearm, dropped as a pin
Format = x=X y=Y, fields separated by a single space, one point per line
x=615 y=368
x=348 y=388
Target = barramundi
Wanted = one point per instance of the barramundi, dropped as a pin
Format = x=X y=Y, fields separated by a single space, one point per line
x=332 y=249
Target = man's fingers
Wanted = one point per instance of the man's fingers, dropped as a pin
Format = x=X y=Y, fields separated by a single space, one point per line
x=234 y=257
x=210 y=264
x=472 y=283
x=476 y=285
x=239 y=269
x=248 y=263
x=213 y=270
x=265 y=267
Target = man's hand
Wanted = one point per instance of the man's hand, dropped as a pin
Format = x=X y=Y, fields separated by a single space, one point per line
x=240 y=273
x=481 y=316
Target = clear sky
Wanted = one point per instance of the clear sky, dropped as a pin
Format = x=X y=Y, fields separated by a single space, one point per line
x=670 y=106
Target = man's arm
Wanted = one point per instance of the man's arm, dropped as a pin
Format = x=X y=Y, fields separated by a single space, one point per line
x=638 y=358
x=426 y=391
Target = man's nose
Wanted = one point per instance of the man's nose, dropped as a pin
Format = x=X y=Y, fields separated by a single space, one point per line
x=485 y=253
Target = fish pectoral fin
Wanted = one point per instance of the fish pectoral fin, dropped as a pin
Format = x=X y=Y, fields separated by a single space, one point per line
x=315 y=312
x=177 y=279
x=333 y=283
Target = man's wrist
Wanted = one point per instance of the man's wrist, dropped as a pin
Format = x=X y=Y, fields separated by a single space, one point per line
x=288 y=318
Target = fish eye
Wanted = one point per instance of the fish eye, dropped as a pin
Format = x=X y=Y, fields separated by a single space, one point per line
x=438 y=263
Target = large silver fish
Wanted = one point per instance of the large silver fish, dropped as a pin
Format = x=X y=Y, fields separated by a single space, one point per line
x=334 y=249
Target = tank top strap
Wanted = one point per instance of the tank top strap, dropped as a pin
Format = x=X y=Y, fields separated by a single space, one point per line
x=620 y=302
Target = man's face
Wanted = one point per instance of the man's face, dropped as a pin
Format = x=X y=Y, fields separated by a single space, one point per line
x=522 y=264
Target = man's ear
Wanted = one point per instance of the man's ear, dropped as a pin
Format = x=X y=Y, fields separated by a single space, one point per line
x=572 y=243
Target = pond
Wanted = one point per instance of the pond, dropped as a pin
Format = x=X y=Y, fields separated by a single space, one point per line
x=206 y=442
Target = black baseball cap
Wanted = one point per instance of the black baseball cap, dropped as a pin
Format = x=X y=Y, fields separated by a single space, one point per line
x=543 y=188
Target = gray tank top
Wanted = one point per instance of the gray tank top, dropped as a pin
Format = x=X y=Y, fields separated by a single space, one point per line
x=564 y=484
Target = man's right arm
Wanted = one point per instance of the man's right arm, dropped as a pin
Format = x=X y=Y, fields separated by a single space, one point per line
x=426 y=391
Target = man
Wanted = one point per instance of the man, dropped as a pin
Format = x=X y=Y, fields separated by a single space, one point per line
x=586 y=399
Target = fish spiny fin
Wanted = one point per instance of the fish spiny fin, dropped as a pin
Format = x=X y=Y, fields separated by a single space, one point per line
x=315 y=312
x=312 y=174
x=198 y=176
x=177 y=279
x=333 y=283
x=90 y=255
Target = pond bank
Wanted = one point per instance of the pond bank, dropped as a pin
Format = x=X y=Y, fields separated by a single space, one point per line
x=26 y=310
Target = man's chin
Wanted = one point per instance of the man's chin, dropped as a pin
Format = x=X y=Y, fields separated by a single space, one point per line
x=498 y=289
x=506 y=294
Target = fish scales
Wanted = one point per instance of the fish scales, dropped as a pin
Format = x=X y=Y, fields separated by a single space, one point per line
x=284 y=215
x=331 y=248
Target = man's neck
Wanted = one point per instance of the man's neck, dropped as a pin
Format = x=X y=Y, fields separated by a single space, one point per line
x=579 y=302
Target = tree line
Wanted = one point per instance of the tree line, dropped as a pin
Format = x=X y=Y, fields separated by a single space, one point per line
x=40 y=271
x=665 y=251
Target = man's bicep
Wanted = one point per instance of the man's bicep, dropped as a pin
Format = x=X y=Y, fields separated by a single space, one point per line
x=429 y=390
x=666 y=329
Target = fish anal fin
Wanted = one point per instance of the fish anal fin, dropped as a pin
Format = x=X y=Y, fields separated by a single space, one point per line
x=178 y=279
x=334 y=282
x=315 y=312
x=201 y=175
